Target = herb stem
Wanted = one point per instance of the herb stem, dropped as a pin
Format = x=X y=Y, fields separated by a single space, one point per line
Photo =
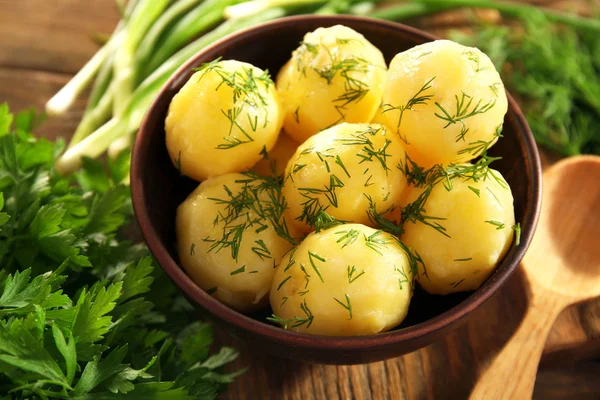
x=63 y=100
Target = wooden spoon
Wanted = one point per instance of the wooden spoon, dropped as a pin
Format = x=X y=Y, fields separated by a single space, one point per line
x=562 y=267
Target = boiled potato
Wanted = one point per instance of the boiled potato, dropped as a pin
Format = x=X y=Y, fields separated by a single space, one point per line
x=461 y=250
x=221 y=120
x=445 y=100
x=277 y=158
x=344 y=170
x=227 y=243
x=335 y=76
x=346 y=280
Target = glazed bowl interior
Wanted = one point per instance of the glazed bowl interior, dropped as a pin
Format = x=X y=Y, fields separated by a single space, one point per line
x=158 y=189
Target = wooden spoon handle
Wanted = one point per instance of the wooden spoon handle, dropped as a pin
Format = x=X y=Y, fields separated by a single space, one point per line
x=511 y=373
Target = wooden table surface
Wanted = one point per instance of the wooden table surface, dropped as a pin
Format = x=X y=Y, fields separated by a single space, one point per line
x=42 y=43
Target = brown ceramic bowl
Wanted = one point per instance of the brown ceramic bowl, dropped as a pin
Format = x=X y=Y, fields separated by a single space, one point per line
x=158 y=189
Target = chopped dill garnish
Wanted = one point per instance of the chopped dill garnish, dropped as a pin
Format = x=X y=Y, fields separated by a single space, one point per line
x=311 y=257
x=261 y=249
x=463 y=259
x=494 y=87
x=368 y=152
x=296 y=321
x=415 y=211
x=339 y=162
x=347 y=305
x=192 y=249
x=349 y=236
x=455 y=284
x=323 y=221
x=179 y=163
x=462 y=111
x=517 y=228
x=351 y=274
x=403 y=278
x=283 y=282
x=291 y=261
x=474 y=190
x=239 y=270
x=375 y=242
x=499 y=225
x=418 y=98
x=257 y=205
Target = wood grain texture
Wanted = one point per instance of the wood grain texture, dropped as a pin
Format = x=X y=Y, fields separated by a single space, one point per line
x=42 y=43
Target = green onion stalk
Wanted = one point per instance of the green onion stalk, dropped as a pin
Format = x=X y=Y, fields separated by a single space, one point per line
x=143 y=16
x=64 y=98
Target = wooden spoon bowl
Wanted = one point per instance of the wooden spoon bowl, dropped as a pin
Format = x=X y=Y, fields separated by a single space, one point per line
x=562 y=268
x=157 y=190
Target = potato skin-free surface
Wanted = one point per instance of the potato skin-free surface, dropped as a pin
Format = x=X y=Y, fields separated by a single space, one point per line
x=242 y=284
x=340 y=169
x=335 y=76
x=347 y=280
x=221 y=119
x=278 y=157
x=446 y=100
x=478 y=217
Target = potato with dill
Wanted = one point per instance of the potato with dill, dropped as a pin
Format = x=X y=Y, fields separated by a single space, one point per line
x=461 y=228
x=221 y=119
x=346 y=280
x=335 y=76
x=230 y=237
x=446 y=101
x=346 y=171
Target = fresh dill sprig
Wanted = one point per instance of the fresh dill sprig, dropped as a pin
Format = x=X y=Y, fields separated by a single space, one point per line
x=295 y=322
x=376 y=242
x=353 y=273
x=517 y=229
x=415 y=212
x=347 y=305
x=499 y=225
x=311 y=258
x=348 y=237
x=462 y=111
x=403 y=278
x=419 y=98
x=368 y=151
x=239 y=270
x=256 y=205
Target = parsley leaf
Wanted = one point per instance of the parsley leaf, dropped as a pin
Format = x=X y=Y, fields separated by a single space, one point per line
x=83 y=312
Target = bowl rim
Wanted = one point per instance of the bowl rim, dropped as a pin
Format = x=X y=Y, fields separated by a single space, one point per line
x=321 y=342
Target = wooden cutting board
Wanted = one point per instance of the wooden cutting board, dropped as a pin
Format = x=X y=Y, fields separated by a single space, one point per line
x=43 y=43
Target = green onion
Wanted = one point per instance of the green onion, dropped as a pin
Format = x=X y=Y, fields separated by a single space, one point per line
x=138 y=24
x=197 y=21
x=160 y=27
